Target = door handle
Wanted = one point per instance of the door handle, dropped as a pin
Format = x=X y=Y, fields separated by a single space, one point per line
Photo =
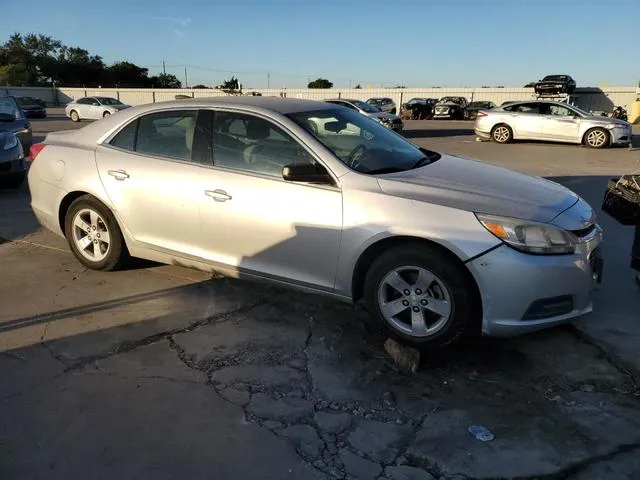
x=218 y=195
x=119 y=174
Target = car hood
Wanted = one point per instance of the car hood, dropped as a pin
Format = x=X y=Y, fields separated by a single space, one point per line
x=608 y=120
x=483 y=188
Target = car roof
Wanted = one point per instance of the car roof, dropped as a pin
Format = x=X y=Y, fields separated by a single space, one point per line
x=350 y=100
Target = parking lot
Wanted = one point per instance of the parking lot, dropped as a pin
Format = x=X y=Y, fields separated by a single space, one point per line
x=164 y=372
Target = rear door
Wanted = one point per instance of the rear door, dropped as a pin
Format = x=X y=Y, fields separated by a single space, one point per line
x=151 y=171
x=526 y=120
x=561 y=123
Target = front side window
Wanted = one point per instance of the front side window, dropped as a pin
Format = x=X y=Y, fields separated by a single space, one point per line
x=362 y=143
x=164 y=134
x=253 y=144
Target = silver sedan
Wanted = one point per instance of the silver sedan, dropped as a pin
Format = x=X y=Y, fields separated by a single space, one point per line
x=551 y=121
x=273 y=189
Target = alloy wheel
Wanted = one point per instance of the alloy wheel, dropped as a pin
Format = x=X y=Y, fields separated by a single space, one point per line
x=596 y=138
x=501 y=134
x=414 y=301
x=91 y=235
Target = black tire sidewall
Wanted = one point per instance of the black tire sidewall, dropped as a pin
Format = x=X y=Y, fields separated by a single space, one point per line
x=448 y=271
x=117 y=253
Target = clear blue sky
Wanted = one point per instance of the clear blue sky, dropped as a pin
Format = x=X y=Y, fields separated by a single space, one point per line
x=372 y=42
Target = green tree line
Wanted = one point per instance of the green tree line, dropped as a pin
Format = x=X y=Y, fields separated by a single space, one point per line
x=35 y=59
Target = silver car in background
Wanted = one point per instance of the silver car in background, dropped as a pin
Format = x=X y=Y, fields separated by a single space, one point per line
x=389 y=120
x=269 y=188
x=551 y=121
x=93 y=108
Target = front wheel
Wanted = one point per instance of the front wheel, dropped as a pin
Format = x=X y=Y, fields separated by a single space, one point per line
x=419 y=296
x=94 y=235
x=596 y=138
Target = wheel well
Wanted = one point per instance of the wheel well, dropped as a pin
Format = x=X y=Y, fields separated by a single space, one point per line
x=373 y=251
x=65 y=204
x=501 y=124
x=607 y=133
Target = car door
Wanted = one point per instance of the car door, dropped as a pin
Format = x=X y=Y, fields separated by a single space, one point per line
x=561 y=122
x=95 y=109
x=150 y=170
x=255 y=221
x=526 y=120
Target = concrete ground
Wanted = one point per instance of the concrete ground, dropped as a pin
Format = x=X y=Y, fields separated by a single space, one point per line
x=163 y=372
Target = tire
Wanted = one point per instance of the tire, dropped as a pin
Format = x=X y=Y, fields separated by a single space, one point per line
x=596 y=138
x=13 y=181
x=393 y=111
x=74 y=116
x=450 y=291
x=501 y=133
x=106 y=114
x=98 y=218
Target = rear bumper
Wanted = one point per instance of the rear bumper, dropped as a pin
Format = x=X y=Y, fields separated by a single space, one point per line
x=482 y=134
x=523 y=293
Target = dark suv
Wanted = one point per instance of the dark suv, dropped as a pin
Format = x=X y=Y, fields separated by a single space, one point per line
x=555 y=85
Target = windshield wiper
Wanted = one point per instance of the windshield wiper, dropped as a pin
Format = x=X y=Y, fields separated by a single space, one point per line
x=378 y=171
x=422 y=162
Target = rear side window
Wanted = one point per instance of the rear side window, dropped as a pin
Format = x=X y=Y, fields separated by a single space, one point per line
x=163 y=134
x=523 y=108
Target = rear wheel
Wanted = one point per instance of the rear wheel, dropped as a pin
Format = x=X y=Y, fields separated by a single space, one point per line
x=94 y=235
x=501 y=133
x=419 y=296
x=106 y=114
x=74 y=116
x=596 y=138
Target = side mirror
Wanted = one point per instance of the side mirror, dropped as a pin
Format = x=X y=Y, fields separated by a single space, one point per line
x=306 y=172
x=7 y=117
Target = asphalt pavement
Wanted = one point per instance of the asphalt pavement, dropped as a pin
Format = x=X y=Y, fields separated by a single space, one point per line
x=163 y=372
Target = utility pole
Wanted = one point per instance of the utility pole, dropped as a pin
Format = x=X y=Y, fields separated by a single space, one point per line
x=186 y=82
x=164 y=70
x=268 y=80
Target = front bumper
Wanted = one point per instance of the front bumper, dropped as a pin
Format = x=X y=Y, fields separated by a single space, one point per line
x=13 y=169
x=621 y=135
x=523 y=293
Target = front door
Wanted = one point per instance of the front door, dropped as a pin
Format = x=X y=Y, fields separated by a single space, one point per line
x=255 y=221
x=561 y=123
x=151 y=171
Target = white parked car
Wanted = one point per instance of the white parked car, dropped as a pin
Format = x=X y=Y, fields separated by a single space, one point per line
x=93 y=108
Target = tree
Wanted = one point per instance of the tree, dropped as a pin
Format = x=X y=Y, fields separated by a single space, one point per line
x=230 y=86
x=358 y=86
x=530 y=85
x=199 y=86
x=128 y=74
x=320 y=83
x=165 y=80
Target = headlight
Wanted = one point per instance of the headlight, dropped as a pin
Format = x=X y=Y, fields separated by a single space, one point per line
x=615 y=125
x=530 y=237
x=11 y=141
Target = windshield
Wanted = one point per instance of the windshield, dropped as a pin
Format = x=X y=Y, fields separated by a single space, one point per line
x=9 y=106
x=581 y=111
x=366 y=107
x=375 y=101
x=555 y=78
x=450 y=100
x=420 y=101
x=24 y=102
x=108 y=101
x=362 y=143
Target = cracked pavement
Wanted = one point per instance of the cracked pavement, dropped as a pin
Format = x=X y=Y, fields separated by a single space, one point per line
x=164 y=372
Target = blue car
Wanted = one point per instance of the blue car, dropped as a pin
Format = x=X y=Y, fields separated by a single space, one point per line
x=13 y=119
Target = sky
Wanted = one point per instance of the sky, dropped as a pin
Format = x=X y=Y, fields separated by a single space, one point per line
x=415 y=43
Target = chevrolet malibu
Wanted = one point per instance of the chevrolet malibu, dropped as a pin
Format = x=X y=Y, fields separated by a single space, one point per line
x=273 y=189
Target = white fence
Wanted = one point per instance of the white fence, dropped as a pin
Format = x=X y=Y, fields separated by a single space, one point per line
x=597 y=99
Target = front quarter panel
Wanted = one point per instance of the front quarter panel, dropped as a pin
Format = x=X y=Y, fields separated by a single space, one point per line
x=371 y=216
